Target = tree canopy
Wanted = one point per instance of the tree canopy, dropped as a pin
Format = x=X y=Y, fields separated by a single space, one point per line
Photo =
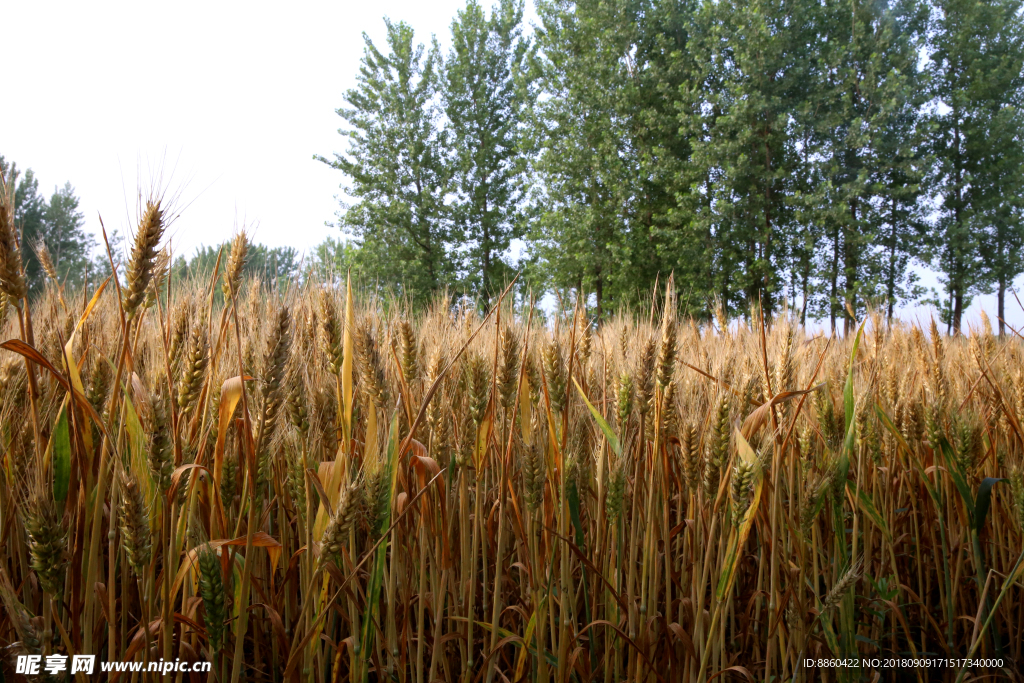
x=809 y=155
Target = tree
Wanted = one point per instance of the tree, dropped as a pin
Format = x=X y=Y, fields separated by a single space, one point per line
x=486 y=93
x=575 y=240
x=69 y=245
x=999 y=161
x=273 y=266
x=334 y=258
x=975 y=68
x=607 y=196
x=199 y=268
x=749 y=77
x=29 y=212
x=860 y=138
x=395 y=162
x=1001 y=202
x=58 y=224
x=764 y=152
x=899 y=189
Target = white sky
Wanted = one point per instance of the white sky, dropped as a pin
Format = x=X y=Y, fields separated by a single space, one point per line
x=235 y=98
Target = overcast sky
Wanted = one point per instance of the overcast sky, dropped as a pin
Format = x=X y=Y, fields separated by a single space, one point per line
x=235 y=98
x=230 y=101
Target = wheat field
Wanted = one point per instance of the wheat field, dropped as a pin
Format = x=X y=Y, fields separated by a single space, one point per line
x=317 y=483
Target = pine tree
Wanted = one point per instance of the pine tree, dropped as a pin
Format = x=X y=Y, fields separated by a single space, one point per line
x=486 y=94
x=395 y=163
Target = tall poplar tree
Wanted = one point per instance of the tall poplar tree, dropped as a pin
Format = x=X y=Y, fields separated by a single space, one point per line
x=486 y=93
x=69 y=245
x=975 y=67
x=737 y=109
x=1000 y=160
x=608 y=189
x=864 y=69
x=395 y=164
x=576 y=240
x=57 y=223
x=1002 y=196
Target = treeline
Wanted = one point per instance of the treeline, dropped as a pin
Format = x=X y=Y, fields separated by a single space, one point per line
x=53 y=230
x=270 y=267
x=806 y=153
x=56 y=224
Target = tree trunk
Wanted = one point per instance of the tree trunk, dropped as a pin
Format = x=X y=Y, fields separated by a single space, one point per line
x=847 y=276
x=1000 y=305
x=949 y=322
x=890 y=290
x=958 y=291
x=485 y=279
x=849 y=272
x=485 y=284
x=803 y=306
x=834 y=282
x=958 y=310
x=767 y=304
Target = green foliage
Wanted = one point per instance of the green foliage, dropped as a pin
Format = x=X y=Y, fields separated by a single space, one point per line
x=273 y=266
x=608 y=154
x=976 y=69
x=395 y=163
x=781 y=153
x=748 y=80
x=334 y=258
x=863 y=155
x=57 y=223
x=69 y=245
x=486 y=92
x=804 y=155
